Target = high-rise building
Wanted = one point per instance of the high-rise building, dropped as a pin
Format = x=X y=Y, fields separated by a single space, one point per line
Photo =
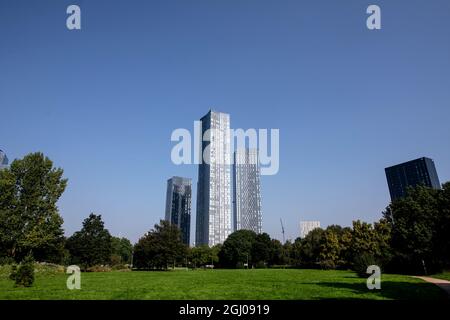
x=178 y=205
x=3 y=160
x=308 y=226
x=213 y=223
x=411 y=174
x=247 y=191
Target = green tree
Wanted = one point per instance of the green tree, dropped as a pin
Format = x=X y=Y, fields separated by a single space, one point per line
x=262 y=249
x=91 y=245
x=160 y=248
x=203 y=255
x=416 y=221
x=121 y=250
x=310 y=248
x=329 y=249
x=237 y=249
x=29 y=217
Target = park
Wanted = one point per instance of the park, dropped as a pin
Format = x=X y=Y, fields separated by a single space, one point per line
x=241 y=284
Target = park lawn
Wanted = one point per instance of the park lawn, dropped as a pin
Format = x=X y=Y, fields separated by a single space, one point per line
x=444 y=275
x=222 y=284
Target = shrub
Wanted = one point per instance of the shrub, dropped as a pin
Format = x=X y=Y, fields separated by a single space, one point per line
x=361 y=262
x=24 y=276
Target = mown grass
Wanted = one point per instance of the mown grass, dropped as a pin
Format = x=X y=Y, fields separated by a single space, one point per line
x=444 y=275
x=221 y=284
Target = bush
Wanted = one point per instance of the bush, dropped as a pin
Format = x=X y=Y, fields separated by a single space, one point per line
x=261 y=265
x=99 y=268
x=361 y=262
x=327 y=264
x=24 y=274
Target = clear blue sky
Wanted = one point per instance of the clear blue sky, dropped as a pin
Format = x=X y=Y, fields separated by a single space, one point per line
x=102 y=102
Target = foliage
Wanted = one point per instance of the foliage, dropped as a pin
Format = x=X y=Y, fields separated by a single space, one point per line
x=122 y=250
x=160 y=247
x=29 y=217
x=201 y=256
x=237 y=249
x=23 y=275
x=92 y=244
x=420 y=224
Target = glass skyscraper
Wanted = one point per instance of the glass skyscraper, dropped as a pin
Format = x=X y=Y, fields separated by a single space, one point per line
x=247 y=191
x=213 y=224
x=410 y=174
x=3 y=160
x=178 y=205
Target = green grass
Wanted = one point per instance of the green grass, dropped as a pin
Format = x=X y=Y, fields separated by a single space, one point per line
x=444 y=275
x=220 y=284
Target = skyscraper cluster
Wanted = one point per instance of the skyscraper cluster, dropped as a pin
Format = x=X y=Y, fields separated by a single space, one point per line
x=228 y=196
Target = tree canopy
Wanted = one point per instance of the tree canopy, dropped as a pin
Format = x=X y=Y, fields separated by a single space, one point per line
x=29 y=217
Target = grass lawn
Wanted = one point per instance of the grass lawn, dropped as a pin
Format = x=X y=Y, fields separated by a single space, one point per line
x=444 y=275
x=221 y=284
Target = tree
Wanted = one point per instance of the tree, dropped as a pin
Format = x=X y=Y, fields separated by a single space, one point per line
x=237 y=249
x=92 y=244
x=329 y=249
x=310 y=248
x=160 y=247
x=203 y=255
x=416 y=221
x=29 y=217
x=262 y=249
x=121 y=250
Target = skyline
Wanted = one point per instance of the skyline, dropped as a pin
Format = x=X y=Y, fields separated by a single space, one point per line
x=101 y=103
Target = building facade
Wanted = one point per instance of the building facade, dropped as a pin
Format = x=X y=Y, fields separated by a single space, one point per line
x=247 y=191
x=416 y=172
x=3 y=160
x=308 y=226
x=214 y=211
x=178 y=205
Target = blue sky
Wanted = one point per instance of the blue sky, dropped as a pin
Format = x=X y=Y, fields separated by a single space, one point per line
x=102 y=102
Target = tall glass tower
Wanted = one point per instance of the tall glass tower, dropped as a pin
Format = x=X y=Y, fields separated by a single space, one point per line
x=247 y=191
x=178 y=205
x=213 y=223
x=3 y=160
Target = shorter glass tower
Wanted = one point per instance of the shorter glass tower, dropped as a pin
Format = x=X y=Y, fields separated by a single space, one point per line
x=3 y=160
x=178 y=205
x=247 y=191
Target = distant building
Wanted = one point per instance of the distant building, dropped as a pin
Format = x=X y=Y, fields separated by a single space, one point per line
x=411 y=174
x=308 y=226
x=247 y=191
x=3 y=160
x=178 y=205
x=214 y=210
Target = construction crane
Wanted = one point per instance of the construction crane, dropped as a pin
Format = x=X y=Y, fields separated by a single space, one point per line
x=282 y=230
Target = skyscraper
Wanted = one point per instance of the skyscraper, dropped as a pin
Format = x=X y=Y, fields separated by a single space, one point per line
x=410 y=174
x=3 y=160
x=213 y=223
x=178 y=205
x=308 y=226
x=247 y=191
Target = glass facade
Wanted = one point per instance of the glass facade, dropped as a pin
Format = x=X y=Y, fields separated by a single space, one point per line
x=3 y=160
x=421 y=171
x=178 y=205
x=213 y=223
x=247 y=191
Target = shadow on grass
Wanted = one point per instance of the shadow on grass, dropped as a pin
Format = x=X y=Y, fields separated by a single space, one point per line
x=396 y=290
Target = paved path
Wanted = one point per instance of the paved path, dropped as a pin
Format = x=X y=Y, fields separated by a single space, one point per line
x=443 y=284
